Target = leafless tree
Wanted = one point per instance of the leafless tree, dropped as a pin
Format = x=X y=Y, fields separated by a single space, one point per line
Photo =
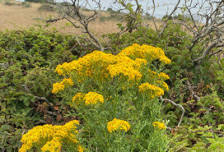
x=72 y=12
x=209 y=31
x=206 y=25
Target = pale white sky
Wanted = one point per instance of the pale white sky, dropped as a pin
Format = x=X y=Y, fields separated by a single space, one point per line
x=162 y=6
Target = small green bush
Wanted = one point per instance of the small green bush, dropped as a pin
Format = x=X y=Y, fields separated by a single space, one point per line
x=46 y=7
x=26 y=4
x=9 y=3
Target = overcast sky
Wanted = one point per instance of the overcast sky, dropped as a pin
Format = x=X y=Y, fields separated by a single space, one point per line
x=162 y=6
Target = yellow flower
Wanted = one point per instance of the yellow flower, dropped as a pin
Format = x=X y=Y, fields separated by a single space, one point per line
x=163 y=76
x=159 y=125
x=145 y=52
x=52 y=146
x=125 y=66
x=78 y=97
x=93 y=98
x=71 y=124
x=57 y=87
x=25 y=147
x=125 y=70
x=164 y=85
x=165 y=60
x=59 y=70
x=117 y=124
x=80 y=148
x=140 y=61
x=153 y=90
x=53 y=135
x=67 y=81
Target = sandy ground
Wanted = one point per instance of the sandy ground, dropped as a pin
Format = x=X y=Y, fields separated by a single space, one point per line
x=18 y=17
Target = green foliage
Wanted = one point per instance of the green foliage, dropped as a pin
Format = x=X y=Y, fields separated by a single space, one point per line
x=219 y=77
x=113 y=17
x=206 y=80
x=9 y=3
x=26 y=4
x=27 y=62
x=133 y=18
x=141 y=36
x=197 y=139
x=12 y=3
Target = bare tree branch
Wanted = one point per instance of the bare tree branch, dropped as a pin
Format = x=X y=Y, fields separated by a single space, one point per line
x=153 y=18
x=168 y=17
x=133 y=18
x=72 y=12
x=177 y=105
x=209 y=48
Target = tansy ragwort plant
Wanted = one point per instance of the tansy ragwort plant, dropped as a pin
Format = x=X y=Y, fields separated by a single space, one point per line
x=116 y=99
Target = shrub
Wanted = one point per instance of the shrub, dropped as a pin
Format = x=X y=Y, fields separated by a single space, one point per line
x=27 y=62
x=115 y=97
x=9 y=3
x=26 y=4
x=46 y=7
x=186 y=81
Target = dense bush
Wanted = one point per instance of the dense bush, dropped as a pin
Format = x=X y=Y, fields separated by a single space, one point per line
x=115 y=97
x=27 y=62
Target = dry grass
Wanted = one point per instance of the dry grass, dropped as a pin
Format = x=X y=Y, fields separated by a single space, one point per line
x=18 y=17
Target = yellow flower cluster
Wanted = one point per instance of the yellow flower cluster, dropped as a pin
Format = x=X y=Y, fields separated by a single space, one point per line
x=60 y=86
x=163 y=76
x=117 y=124
x=159 y=78
x=145 y=52
x=127 y=67
x=80 y=148
x=104 y=63
x=53 y=145
x=100 y=65
x=57 y=87
x=78 y=97
x=153 y=90
x=93 y=98
x=159 y=125
x=87 y=65
x=89 y=98
x=67 y=82
x=163 y=84
x=140 y=61
x=53 y=135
